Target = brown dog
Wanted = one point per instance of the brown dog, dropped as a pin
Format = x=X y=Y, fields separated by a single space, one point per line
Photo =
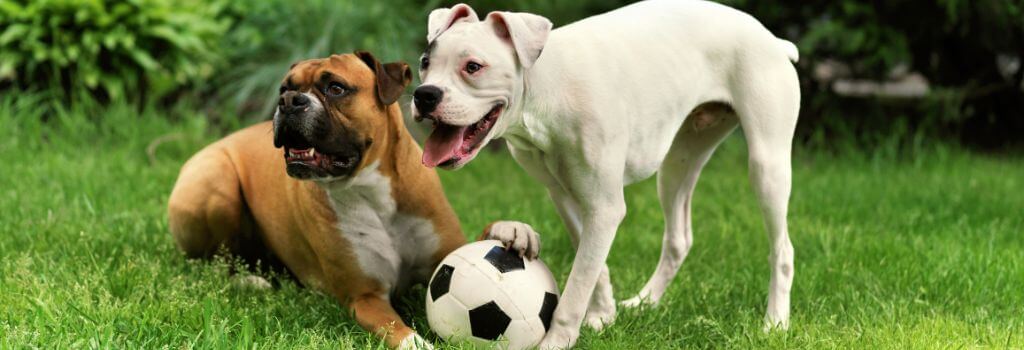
x=368 y=220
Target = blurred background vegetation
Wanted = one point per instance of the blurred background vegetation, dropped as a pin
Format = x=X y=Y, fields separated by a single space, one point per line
x=894 y=76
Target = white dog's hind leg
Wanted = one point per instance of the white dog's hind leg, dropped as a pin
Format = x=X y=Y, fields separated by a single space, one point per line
x=677 y=178
x=770 y=175
x=768 y=110
x=601 y=310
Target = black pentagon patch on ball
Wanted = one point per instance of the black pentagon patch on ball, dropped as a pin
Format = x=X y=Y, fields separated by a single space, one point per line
x=442 y=279
x=548 y=309
x=488 y=321
x=504 y=260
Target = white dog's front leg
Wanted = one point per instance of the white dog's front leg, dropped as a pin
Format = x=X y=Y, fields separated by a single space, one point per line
x=599 y=225
x=601 y=310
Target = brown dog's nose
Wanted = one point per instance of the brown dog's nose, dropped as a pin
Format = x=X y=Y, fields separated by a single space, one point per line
x=426 y=98
x=292 y=102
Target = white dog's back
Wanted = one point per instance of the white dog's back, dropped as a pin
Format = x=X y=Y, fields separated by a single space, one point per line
x=664 y=19
x=671 y=55
x=681 y=39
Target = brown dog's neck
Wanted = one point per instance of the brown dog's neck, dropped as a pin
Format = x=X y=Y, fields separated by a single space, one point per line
x=414 y=188
x=392 y=151
x=395 y=146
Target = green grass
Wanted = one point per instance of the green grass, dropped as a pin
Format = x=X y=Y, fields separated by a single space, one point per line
x=916 y=252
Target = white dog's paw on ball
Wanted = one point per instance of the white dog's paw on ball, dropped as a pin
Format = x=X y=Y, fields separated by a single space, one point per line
x=515 y=236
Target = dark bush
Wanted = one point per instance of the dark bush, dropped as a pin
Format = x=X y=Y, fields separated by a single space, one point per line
x=971 y=52
x=109 y=49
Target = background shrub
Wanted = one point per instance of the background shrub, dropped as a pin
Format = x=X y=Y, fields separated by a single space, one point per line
x=109 y=49
x=271 y=35
x=971 y=52
x=230 y=54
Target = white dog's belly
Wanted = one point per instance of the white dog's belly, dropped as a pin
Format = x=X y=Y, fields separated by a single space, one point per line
x=648 y=147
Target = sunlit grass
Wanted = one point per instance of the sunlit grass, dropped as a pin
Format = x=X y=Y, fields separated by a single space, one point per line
x=920 y=252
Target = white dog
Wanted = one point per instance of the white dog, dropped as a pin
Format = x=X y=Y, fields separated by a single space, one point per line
x=611 y=100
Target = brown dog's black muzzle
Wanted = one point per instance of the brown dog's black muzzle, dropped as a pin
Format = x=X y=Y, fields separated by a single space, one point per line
x=315 y=144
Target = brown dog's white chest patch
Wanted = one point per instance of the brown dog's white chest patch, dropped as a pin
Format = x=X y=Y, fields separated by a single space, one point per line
x=392 y=247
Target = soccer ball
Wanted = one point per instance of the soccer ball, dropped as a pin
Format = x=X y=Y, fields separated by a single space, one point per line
x=491 y=297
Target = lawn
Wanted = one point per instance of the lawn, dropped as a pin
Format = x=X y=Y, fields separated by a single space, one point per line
x=921 y=250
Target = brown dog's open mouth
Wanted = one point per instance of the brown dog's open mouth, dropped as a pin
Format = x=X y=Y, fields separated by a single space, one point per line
x=307 y=156
x=449 y=145
x=305 y=162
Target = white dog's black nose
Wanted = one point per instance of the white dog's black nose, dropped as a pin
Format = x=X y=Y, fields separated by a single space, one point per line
x=426 y=98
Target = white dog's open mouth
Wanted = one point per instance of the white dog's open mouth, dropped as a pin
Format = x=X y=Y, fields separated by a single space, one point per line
x=450 y=145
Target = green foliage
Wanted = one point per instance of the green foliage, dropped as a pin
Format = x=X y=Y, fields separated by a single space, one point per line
x=845 y=36
x=233 y=53
x=108 y=48
x=271 y=35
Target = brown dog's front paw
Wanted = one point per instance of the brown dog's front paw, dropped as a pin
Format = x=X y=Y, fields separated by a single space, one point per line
x=516 y=236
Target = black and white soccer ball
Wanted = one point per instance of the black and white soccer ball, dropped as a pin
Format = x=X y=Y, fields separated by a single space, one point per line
x=486 y=295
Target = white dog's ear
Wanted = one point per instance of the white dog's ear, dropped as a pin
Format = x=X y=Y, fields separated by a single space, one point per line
x=526 y=32
x=442 y=19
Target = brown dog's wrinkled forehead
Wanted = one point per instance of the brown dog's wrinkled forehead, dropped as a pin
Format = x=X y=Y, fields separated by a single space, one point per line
x=348 y=68
x=359 y=71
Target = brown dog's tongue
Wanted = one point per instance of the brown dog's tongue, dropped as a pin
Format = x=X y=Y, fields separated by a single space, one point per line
x=443 y=144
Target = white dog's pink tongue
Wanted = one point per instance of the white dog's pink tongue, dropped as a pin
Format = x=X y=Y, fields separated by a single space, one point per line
x=443 y=144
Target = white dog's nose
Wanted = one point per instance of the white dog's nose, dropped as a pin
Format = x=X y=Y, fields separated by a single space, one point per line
x=426 y=98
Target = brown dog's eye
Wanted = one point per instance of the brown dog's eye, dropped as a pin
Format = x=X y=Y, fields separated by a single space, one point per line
x=282 y=90
x=473 y=67
x=335 y=90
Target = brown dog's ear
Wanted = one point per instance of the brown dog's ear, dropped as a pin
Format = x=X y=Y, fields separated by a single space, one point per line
x=392 y=78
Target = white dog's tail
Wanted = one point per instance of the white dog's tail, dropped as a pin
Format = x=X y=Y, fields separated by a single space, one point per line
x=791 y=51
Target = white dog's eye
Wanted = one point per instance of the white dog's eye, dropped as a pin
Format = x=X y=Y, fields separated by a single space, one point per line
x=473 y=67
x=424 y=62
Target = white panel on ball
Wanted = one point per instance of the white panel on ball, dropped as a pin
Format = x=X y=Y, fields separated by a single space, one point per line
x=448 y=314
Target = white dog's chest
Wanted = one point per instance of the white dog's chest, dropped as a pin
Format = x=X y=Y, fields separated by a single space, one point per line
x=392 y=247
